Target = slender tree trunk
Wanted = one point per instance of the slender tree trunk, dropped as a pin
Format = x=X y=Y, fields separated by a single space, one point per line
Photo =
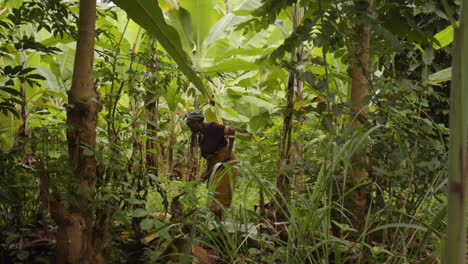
x=78 y=241
x=20 y=145
x=458 y=157
x=151 y=142
x=22 y=135
x=357 y=202
x=298 y=156
x=283 y=180
x=171 y=147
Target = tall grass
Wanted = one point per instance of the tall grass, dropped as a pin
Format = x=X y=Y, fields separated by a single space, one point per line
x=245 y=236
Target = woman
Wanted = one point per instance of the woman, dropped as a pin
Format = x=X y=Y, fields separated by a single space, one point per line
x=216 y=142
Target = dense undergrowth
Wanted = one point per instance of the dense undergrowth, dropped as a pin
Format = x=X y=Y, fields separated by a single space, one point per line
x=143 y=146
x=316 y=229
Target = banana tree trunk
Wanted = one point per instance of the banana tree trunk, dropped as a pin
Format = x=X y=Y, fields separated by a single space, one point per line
x=458 y=162
x=357 y=202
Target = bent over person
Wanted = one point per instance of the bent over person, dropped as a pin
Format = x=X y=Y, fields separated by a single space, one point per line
x=216 y=142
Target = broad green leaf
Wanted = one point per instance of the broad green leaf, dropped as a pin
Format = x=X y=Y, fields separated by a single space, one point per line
x=245 y=52
x=243 y=8
x=212 y=115
x=139 y=212
x=231 y=115
x=149 y=16
x=204 y=15
x=6 y=131
x=51 y=81
x=167 y=5
x=215 y=50
x=220 y=30
x=146 y=224
x=259 y=122
x=231 y=65
x=444 y=38
x=133 y=200
x=13 y=3
x=182 y=21
x=245 y=105
x=61 y=65
x=172 y=97
x=54 y=40
x=247 y=79
x=258 y=102
x=441 y=76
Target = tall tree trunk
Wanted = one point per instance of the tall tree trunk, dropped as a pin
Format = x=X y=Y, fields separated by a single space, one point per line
x=357 y=202
x=78 y=241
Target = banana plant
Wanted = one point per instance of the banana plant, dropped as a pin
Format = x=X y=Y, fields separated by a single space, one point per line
x=207 y=30
x=149 y=16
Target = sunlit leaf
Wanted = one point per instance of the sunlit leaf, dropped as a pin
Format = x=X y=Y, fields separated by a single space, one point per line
x=444 y=37
x=231 y=65
x=167 y=5
x=441 y=76
x=149 y=16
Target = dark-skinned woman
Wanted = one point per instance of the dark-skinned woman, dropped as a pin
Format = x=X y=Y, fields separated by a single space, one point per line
x=216 y=142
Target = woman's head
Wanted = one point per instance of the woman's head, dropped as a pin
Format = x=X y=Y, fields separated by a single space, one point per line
x=194 y=120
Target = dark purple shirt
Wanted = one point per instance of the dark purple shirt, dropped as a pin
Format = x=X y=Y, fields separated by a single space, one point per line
x=211 y=138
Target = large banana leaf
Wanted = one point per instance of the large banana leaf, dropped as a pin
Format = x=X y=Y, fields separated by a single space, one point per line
x=204 y=15
x=149 y=16
x=199 y=24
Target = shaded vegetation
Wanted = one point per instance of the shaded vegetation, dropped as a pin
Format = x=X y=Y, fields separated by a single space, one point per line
x=280 y=73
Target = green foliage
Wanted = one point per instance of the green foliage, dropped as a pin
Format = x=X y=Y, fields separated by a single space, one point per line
x=150 y=17
x=144 y=88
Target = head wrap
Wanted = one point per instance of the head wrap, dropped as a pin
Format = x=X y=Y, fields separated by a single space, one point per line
x=195 y=116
